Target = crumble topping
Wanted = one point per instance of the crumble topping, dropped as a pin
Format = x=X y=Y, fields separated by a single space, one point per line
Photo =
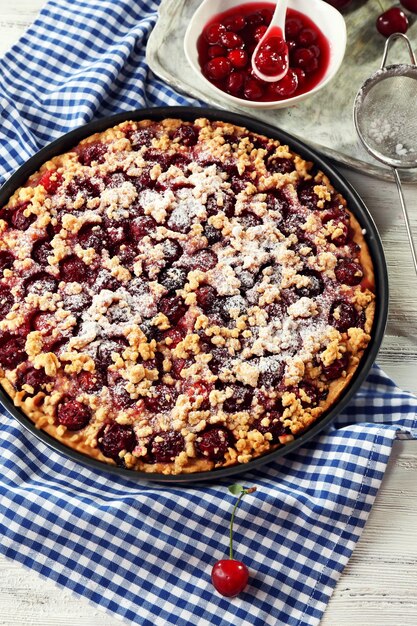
x=180 y=296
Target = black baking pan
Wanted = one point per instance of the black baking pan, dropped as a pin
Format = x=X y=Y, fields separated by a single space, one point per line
x=356 y=205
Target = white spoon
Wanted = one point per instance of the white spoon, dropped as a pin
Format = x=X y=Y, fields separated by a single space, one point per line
x=274 y=53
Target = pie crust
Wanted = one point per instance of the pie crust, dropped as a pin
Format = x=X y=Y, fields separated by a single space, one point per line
x=180 y=296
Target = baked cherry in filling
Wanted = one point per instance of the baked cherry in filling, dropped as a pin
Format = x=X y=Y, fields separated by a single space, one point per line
x=73 y=415
x=213 y=443
x=177 y=296
x=115 y=438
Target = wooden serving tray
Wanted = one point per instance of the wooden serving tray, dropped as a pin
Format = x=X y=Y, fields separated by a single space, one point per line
x=325 y=120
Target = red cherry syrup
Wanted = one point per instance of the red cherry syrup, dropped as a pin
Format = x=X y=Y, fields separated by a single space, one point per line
x=226 y=45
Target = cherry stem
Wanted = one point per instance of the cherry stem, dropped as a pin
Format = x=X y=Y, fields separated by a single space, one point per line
x=381 y=6
x=242 y=493
x=231 y=525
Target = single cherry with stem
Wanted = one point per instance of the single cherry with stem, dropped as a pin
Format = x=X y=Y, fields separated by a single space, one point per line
x=230 y=576
x=391 y=21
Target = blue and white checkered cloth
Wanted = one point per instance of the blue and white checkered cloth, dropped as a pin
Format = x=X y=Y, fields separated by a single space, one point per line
x=145 y=552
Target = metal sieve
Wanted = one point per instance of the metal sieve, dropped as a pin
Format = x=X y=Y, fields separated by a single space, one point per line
x=385 y=115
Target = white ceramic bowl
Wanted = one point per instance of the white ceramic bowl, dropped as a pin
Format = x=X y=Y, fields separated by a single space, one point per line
x=327 y=18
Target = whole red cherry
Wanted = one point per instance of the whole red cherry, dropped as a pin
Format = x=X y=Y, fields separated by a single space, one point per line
x=392 y=21
x=285 y=87
x=411 y=5
x=229 y=576
x=218 y=68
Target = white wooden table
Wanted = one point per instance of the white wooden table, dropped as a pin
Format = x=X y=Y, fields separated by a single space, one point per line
x=378 y=587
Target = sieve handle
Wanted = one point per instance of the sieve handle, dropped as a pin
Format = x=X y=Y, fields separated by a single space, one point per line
x=405 y=213
x=390 y=41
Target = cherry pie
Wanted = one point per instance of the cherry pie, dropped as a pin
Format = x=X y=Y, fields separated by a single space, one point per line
x=177 y=297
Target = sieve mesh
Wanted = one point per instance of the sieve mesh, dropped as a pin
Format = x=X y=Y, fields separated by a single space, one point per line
x=386 y=115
